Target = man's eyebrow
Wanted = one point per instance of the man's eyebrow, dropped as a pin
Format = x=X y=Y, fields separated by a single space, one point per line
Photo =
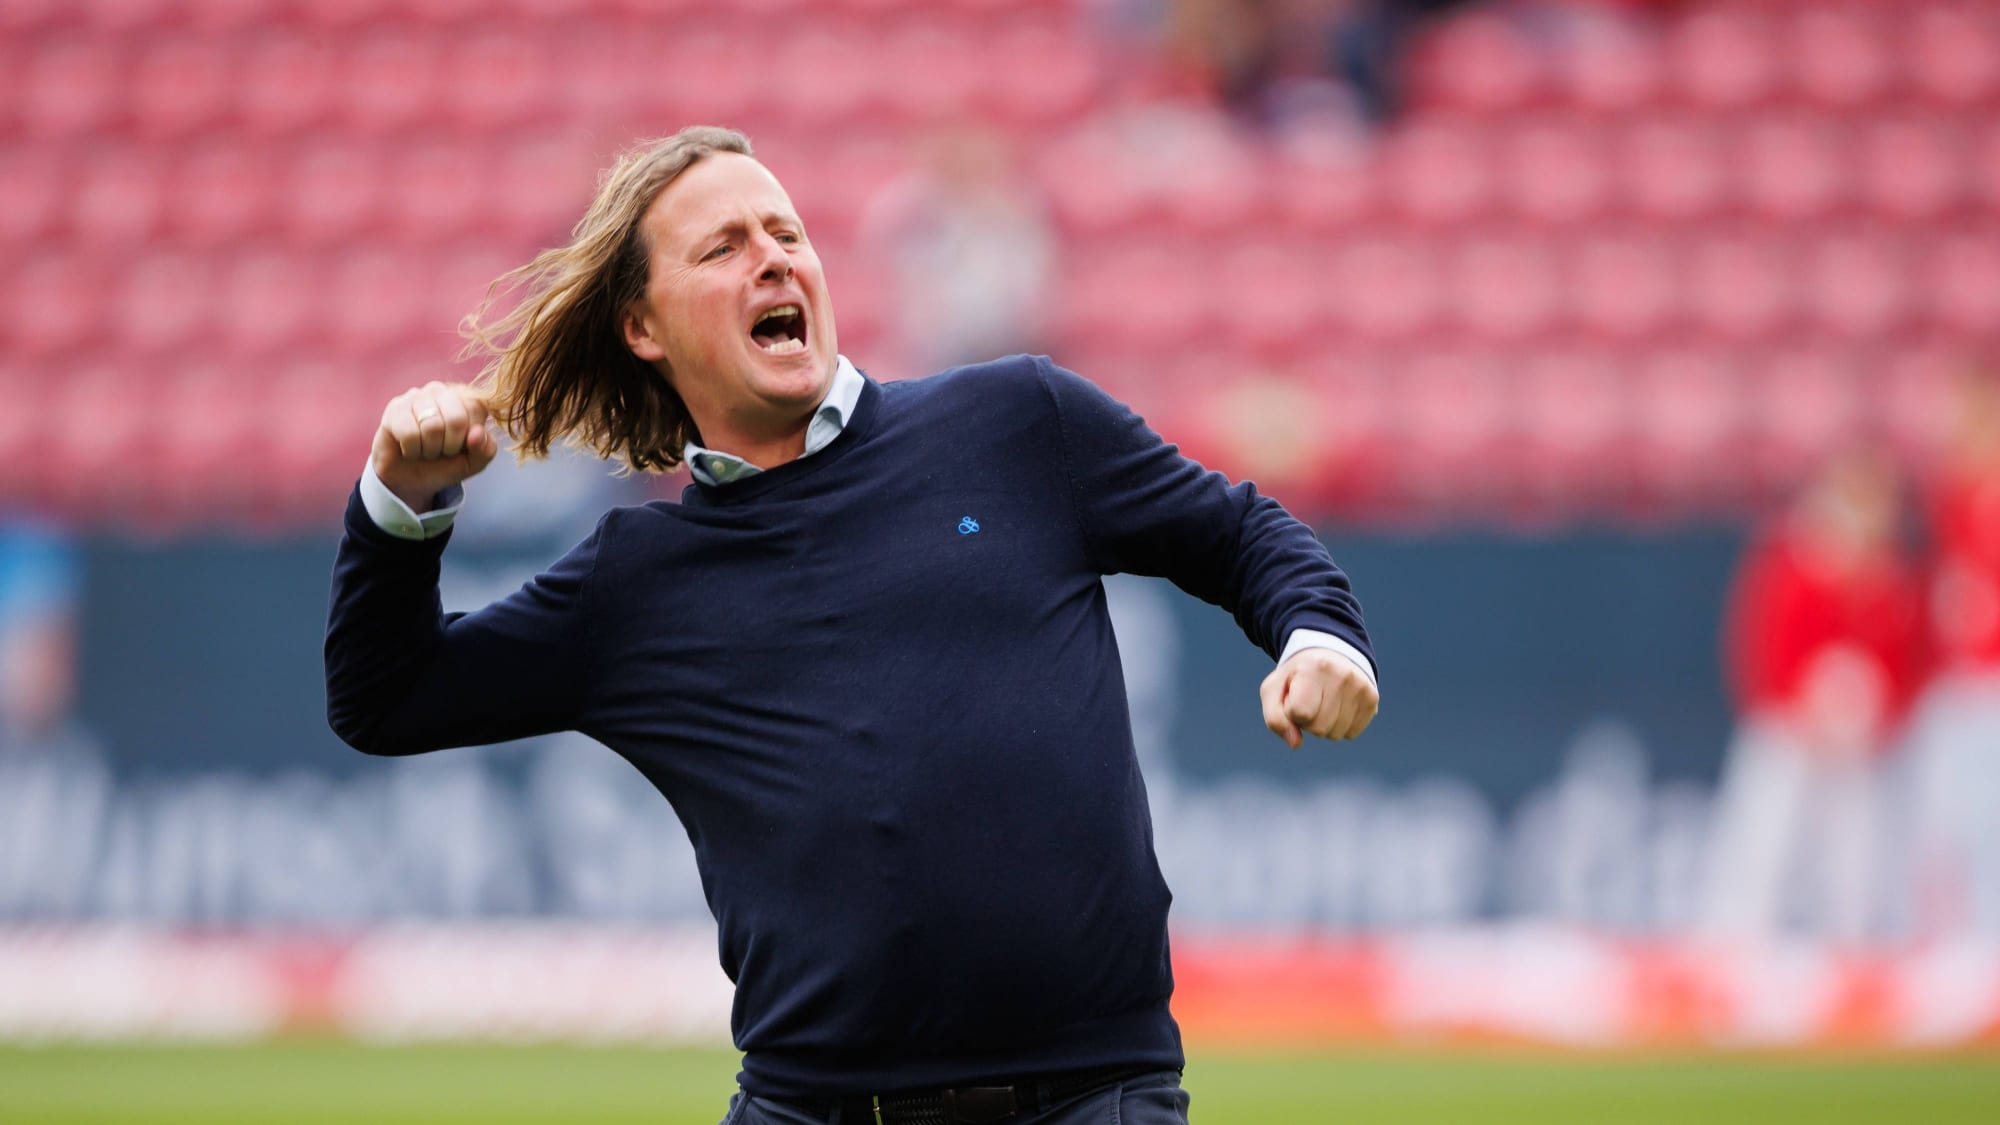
x=733 y=226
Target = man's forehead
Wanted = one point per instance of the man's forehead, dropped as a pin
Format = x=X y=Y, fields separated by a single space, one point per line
x=724 y=188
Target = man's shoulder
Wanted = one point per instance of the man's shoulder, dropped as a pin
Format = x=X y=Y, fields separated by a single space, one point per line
x=1014 y=378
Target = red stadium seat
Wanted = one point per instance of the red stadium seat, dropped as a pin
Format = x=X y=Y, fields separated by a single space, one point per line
x=1483 y=62
x=931 y=70
x=118 y=196
x=1439 y=170
x=1805 y=406
x=388 y=80
x=1841 y=55
x=1092 y=188
x=1327 y=195
x=181 y=85
x=376 y=297
x=70 y=87
x=18 y=17
x=1554 y=169
x=444 y=187
x=322 y=453
x=121 y=16
x=600 y=75
x=849 y=78
x=1142 y=294
x=284 y=82
x=1740 y=283
x=1857 y=282
x=1673 y=167
x=268 y=300
x=211 y=16
x=453 y=15
x=1608 y=65
x=1503 y=286
x=1215 y=185
x=1574 y=406
x=1912 y=398
x=333 y=190
x=1039 y=71
x=1272 y=295
x=35 y=182
x=1912 y=167
x=498 y=79
x=216 y=420
x=56 y=305
x=848 y=175
x=1457 y=407
x=104 y=430
x=1793 y=167
x=1963 y=282
x=23 y=429
x=1359 y=428
x=1386 y=287
x=164 y=300
x=1724 y=56
x=1689 y=410
x=1622 y=283
x=715 y=74
x=459 y=277
x=343 y=15
x=1954 y=52
x=541 y=186
x=1986 y=170
x=14 y=51
x=223 y=192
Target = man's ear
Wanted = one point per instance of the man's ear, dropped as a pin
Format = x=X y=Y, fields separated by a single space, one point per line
x=638 y=336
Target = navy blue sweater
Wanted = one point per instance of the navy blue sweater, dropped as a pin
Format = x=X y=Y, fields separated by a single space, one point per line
x=899 y=745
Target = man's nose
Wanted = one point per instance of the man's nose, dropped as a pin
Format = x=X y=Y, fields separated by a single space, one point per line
x=777 y=264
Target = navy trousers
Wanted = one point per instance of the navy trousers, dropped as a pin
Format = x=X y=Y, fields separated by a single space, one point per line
x=1149 y=1099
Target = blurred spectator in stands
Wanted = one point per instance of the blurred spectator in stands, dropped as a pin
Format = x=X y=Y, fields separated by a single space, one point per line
x=1823 y=636
x=38 y=619
x=1958 y=771
x=968 y=241
x=1273 y=61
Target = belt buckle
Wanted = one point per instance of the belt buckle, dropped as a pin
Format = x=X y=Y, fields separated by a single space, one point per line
x=987 y=1104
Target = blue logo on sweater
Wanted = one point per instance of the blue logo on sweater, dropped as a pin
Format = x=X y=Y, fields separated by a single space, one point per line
x=967 y=525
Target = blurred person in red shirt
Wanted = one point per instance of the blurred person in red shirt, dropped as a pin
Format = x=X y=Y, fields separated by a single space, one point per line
x=1823 y=636
x=1958 y=755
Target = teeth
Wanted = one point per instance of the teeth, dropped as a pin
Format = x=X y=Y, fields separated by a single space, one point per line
x=781 y=310
x=787 y=347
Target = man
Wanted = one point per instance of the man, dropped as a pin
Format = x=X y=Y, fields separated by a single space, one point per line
x=1958 y=748
x=867 y=657
x=1824 y=657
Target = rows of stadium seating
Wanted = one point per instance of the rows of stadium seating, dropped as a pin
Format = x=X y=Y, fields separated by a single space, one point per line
x=1891 y=168
x=1594 y=270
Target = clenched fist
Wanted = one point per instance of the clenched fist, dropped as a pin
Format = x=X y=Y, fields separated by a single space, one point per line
x=431 y=438
x=1317 y=692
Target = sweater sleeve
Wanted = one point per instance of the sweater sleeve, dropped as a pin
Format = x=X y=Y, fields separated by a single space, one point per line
x=1142 y=508
x=404 y=677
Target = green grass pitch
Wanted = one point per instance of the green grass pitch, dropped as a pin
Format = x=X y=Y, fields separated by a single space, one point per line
x=329 y=1082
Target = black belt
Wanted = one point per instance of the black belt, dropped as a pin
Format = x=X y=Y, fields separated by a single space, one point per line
x=966 y=1105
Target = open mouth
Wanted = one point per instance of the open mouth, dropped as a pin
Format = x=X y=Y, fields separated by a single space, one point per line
x=781 y=331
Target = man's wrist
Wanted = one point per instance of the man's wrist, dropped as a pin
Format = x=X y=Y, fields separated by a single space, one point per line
x=1303 y=639
x=398 y=518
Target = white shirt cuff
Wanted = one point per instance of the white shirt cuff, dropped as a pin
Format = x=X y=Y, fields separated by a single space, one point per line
x=1302 y=639
x=395 y=517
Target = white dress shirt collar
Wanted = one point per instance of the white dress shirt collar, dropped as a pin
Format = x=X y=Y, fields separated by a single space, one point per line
x=712 y=467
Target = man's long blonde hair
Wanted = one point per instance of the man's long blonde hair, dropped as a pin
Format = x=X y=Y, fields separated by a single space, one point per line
x=557 y=365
